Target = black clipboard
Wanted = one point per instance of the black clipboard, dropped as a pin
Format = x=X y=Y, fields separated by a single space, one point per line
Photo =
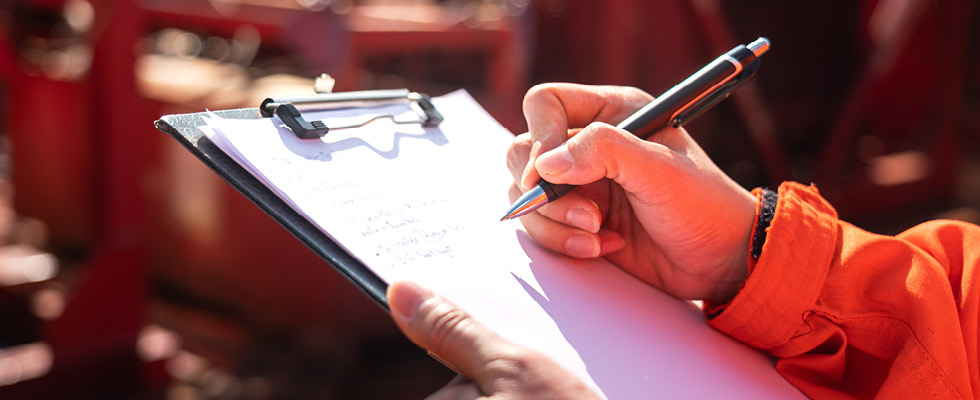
x=184 y=128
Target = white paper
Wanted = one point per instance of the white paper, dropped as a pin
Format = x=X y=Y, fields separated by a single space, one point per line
x=424 y=204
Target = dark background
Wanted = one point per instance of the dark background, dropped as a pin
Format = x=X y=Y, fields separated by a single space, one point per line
x=170 y=284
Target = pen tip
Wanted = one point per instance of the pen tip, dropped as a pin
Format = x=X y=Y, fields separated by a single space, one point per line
x=514 y=212
x=529 y=201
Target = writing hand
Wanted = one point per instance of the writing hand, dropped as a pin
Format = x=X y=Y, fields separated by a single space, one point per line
x=660 y=209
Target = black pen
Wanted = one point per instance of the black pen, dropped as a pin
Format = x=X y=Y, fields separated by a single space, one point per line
x=680 y=104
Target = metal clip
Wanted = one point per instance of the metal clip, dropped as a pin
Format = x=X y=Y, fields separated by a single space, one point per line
x=289 y=109
x=715 y=96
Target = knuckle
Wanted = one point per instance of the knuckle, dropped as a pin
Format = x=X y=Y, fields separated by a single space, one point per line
x=447 y=322
x=603 y=143
x=534 y=374
x=637 y=94
x=628 y=97
x=536 y=91
x=546 y=92
x=521 y=146
x=597 y=137
x=510 y=362
x=517 y=160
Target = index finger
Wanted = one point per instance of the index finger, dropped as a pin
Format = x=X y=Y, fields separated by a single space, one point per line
x=554 y=108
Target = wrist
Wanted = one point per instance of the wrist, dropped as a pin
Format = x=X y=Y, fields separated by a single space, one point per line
x=750 y=248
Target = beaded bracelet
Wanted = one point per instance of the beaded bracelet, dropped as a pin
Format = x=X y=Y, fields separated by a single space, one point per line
x=766 y=211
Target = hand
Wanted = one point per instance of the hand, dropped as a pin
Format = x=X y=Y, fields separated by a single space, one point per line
x=660 y=209
x=491 y=367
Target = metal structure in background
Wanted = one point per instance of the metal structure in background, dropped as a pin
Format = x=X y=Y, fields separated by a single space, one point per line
x=868 y=99
x=90 y=163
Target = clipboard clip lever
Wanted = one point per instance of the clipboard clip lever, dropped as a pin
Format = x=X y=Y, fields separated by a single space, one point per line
x=289 y=110
x=716 y=95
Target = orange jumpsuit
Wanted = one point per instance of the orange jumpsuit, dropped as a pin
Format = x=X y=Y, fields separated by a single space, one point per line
x=852 y=314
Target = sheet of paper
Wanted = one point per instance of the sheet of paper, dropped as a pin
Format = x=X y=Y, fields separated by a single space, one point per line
x=424 y=204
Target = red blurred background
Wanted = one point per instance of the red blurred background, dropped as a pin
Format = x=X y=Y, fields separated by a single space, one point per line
x=130 y=270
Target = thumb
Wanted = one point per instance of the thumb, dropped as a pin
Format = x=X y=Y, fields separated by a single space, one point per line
x=448 y=333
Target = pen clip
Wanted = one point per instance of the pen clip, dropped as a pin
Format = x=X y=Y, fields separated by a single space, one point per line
x=715 y=96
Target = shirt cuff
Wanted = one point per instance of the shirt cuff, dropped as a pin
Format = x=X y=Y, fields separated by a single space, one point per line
x=788 y=277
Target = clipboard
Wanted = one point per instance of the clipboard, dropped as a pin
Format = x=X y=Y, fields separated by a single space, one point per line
x=184 y=128
x=594 y=319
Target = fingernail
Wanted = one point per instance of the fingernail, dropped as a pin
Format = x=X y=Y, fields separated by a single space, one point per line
x=581 y=246
x=556 y=161
x=526 y=181
x=582 y=219
x=612 y=244
x=530 y=176
x=404 y=298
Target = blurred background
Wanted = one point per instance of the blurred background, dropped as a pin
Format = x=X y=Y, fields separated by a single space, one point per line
x=129 y=270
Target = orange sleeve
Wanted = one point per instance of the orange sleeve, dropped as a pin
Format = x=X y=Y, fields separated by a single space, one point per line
x=848 y=313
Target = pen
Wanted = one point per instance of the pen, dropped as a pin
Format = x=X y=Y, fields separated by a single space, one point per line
x=696 y=94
